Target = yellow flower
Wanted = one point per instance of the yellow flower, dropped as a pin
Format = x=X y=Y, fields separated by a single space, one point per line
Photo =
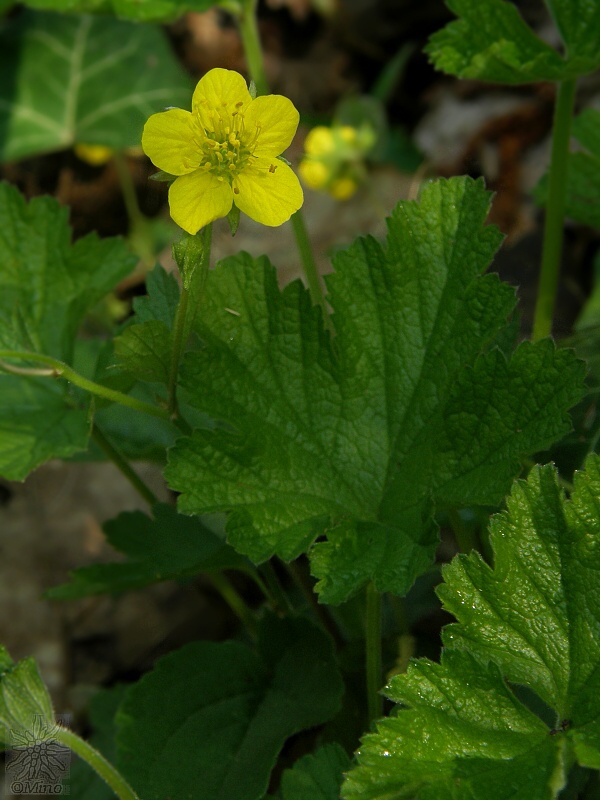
x=225 y=151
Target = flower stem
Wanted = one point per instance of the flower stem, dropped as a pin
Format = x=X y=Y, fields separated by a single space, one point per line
x=252 y=46
x=98 y=763
x=193 y=282
x=58 y=369
x=138 y=223
x=309 y=266
x=276 y=595
x=465 y=537
x=235 y=601
x=555 y=209
x=256 y=68
x=373 y=646
x=111 y=452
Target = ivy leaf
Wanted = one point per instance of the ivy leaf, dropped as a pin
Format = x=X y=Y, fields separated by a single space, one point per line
x=165 y=547
x=25 y=704
x=317 y=776
x=136 y=10
x=47 y=285
x=532 y=620
x=217 y=715
x=410 y=405
x=491 y=42
x=59 y=87
x=583 y=174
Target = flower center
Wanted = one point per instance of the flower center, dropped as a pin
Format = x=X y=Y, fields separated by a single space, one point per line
x=224 y=145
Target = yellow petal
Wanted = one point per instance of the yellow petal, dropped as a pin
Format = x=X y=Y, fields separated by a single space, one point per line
x=269 y=191
x=199 y=198
x=275 y=119
x=167 y=141
x=220 y=90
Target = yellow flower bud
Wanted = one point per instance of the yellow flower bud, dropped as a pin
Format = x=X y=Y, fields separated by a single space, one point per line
x=343 y=188
x=94 y=154
x=348 y=134
x=314 y=173
x=319 y=141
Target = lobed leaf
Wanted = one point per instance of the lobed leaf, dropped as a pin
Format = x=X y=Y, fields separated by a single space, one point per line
x=47 y=286
x=317 y=776
x=353 y=440
x=217 y=715
x=532 y=620
x=490 y=41
x=165 y=547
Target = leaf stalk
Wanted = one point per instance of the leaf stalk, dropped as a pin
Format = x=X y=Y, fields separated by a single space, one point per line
x=555 y=210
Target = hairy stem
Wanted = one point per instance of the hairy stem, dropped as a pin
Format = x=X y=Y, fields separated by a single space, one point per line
x=555 y=210
x=138 y=223
x=235 y=601
x=111 y=452
x=59 y=369
x=98 y=763
x=191 y=293
x=252 y=46
x=309 y=266
x=373 y=647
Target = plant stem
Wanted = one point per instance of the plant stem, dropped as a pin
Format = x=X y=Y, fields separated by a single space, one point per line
x=302 y=581
x=256 y=68
x=373 y=646
x=252 y=47
x=138 y=223
x=235 y=601
x=192 y=289
x=58 y=369
x=555 y=209
x=277 y=596
x=98 y=763
x=123 y=465
x=465 y=537
x=309 y=265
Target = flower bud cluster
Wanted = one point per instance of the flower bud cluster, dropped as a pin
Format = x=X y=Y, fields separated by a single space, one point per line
x=334 y=159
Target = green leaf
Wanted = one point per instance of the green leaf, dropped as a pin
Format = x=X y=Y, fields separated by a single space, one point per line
x=161 y=301
x=136 y=10
x=579 y=24
x=490 y=41
x=38 y=422
x=532 y=621
x=217 y=715
x=84 y=783
x=583 y=175
x=25 y=704
x=82 y=79
x=47 y=285
x=165 y=547
x=355 y=441
x=316 y=777
x=145 y=351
